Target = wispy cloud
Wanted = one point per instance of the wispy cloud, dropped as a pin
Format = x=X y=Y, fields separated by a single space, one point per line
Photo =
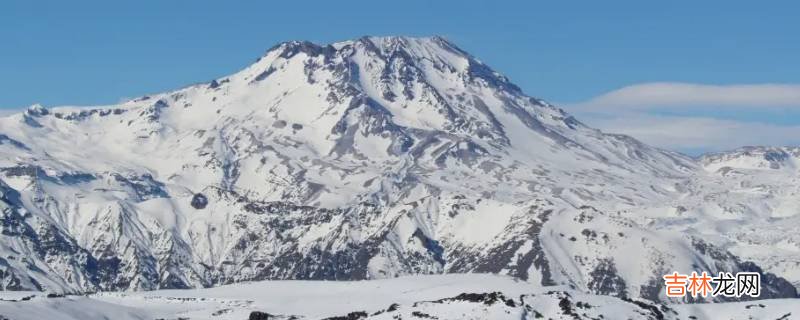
x=698 y=134
x=680 y=95
x=638 y=110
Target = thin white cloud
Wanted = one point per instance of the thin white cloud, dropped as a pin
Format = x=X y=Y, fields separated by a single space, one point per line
x=698 y=133
x=635 y=110
x=680 y=95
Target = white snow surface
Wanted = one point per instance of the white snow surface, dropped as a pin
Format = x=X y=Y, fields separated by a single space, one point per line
x=426 y=295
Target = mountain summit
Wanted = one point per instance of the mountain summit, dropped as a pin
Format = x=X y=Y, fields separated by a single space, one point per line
x=362 y=159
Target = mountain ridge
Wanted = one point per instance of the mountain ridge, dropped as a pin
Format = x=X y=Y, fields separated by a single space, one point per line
x=363 y=159
x=37 y=108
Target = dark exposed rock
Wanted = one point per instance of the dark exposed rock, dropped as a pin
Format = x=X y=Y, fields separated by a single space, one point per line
x=258 y=315
x=85 y=114
x=4 y=139
x=265 y=74
x=485 y=298
x=144 y=186
x=76 y=177
x=653 y=310
x=37 y=111
x=350 y=316
x=433 y=246
x=46 y=242
x=221 y=312
x=565 y=304
x=772 y=286
x=606 y=280
x=24 y=171
x=422 y=315
x=216 y=84
x=279 y=124
x=481 y=71
x=199 y=201
x=652 y=289
x=505 y=255
x=785 y=316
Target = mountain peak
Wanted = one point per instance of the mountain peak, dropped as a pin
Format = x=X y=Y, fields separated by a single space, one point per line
x=369 y=158
x=434 y=48
x=36 y=109
x=405 y=41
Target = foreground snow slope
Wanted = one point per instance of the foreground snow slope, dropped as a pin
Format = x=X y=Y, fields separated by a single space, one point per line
x=415 y=297
x=368 y=159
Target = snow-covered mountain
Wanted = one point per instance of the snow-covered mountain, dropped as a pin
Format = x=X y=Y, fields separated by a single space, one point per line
x=367 y=159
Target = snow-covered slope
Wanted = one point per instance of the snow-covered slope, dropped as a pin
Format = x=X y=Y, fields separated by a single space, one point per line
x=415 y=297
x=750 y=197
x=364 y=159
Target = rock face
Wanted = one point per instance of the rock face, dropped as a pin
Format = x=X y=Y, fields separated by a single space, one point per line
x=363 y=159
x=199 y=201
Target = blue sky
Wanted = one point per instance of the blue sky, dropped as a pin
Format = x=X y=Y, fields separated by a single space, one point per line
x=599 y=60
